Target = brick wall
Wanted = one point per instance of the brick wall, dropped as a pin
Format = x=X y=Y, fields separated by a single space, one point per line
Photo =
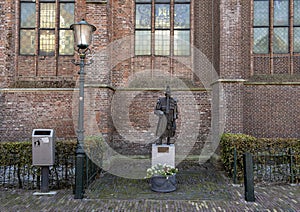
x=272 y=110
x=233 y=106
x=25 y=110
x=7 y=44
x=207 y=31
x=231 y=64
x=230 y=39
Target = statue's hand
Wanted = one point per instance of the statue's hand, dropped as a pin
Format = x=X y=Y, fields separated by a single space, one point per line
x=159 y=112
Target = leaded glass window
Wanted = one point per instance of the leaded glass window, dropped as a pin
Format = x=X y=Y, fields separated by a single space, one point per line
x=261 y=27
x=162 y=42
x=143 y=16
x=181 y=29
x=162 y=16
x=285 y=21
x=261 y=40
x=181 y=42
x=281 y=26
x=296 y=26
x=162 y=25
x=182 y=16
x=143 y=42
x=296 y=12
x=66 y=37
x=45 y=30
x=280 y=40
x=281 y=12
x=27 y=28
x=143 y=23
x=297 y=39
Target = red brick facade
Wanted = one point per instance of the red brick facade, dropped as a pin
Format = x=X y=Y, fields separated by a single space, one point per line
x=40 y=92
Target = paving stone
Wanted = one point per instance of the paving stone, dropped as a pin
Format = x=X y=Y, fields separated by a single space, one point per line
x=201 y=190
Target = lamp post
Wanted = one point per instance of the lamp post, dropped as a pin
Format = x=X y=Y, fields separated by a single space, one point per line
x=83 y=37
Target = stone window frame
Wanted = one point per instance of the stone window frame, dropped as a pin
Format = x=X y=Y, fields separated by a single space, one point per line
x=35 y=40
x=153 y=28
x=272 y=62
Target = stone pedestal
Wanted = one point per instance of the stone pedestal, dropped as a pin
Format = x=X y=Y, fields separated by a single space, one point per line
x=163 y=154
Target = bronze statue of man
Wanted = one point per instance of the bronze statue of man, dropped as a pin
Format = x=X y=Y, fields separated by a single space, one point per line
x=166 y=109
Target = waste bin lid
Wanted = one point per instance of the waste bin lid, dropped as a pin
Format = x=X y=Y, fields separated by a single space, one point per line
x=42 y=132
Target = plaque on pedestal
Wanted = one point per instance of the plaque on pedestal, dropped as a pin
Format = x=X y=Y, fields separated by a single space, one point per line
x=163 y=154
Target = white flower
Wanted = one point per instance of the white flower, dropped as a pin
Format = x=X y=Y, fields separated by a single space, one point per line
x=161 y=170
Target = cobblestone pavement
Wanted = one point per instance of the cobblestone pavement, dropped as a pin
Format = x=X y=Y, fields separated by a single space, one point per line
x=203 y=190
x=276 y=198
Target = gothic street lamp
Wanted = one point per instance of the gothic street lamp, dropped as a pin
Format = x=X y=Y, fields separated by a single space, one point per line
x=83 y=37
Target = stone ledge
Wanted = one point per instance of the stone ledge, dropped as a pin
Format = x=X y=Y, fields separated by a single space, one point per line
x=272 y=83
x=13 y=90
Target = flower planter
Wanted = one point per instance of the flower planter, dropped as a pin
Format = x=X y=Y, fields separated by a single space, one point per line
x=163 y=184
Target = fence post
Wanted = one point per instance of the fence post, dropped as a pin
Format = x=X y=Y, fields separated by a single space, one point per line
x=234 y=165
x=291 y=165
x=248 y=177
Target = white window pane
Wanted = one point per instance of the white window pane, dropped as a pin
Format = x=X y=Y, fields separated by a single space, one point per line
x=47 y=15
x=66 y=42
x=261 y=41
x=281 y=12
x=162 y=16
x=47 y=42
x=27 y=42
x=281 y=40
x=182 y=0
x=162 y=42
x=297 y=39
x=66 y=15
x=143 y=1
x=142 y=43
x=28 y=18
x=182 y=16
x=261 y=13
x=296 y=12
x=162 y=1
x=143 y=16
x=182 y=43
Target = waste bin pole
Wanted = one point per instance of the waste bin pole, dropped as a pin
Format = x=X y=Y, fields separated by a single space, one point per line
x=45 y=179
x=80 y=135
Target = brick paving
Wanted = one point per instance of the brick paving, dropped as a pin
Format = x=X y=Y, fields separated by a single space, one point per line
x=275 y=198
x=110 y=193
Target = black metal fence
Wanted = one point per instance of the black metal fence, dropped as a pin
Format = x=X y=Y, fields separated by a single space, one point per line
x=91 y=171
x=274 y=166
x=61 y=174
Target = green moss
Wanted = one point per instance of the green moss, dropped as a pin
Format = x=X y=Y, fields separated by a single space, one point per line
x=44 y=84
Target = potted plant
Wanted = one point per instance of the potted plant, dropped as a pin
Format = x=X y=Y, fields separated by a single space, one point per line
x=162 y=177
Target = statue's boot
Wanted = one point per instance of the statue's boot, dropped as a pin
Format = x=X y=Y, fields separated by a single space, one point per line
x=159 y=141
